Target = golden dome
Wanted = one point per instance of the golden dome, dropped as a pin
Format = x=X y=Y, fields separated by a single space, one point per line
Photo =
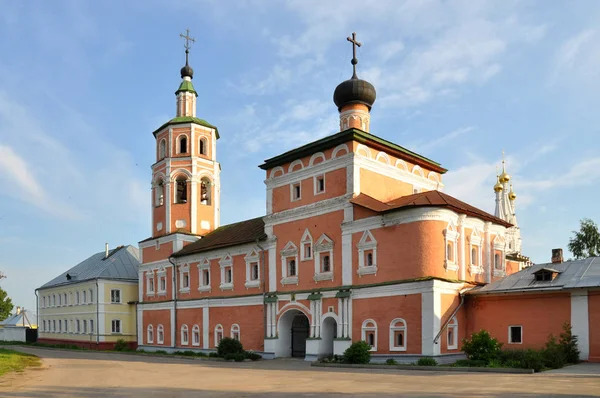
x=498 y=187
x=512 y=195
x=504 y=177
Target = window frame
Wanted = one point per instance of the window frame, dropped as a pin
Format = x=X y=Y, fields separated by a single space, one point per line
x=226 y=266
x=316 y=184
x=162 y=276
x=160 y=334
x=293 y=190
x=150 y=334
x=398 y=325
x=290 y=251
x=452 y=326
x=235 y=328
x=116 y=322
x=195 y=332
x=323 y=248
x=218 y=331
x=185 y=335
x=112 y=300
x=510 y=341
x=204 y=269
x=252 y=260
x=365 y=329
x=366 y=245
x=306 y=241
x=184 y=273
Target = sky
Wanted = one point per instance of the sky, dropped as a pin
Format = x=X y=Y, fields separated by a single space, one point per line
x=84 y=84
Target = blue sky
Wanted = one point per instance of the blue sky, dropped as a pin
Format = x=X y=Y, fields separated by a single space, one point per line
x=83 y=85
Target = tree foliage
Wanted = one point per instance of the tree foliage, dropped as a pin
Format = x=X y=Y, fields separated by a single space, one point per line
x=6 y=305
x=586 y=242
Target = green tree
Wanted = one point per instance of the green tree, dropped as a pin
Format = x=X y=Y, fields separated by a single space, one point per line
x=586 y=242
x=6 y=305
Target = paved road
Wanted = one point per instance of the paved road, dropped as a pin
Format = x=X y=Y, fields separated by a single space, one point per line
x=93 y=374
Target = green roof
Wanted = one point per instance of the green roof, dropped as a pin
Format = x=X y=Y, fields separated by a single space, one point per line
x=351 y=135
x=186 y=85
x=186 y=119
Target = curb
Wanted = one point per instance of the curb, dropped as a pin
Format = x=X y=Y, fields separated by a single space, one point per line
x=425 y=368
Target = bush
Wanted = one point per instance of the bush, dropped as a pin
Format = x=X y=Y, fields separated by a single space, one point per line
x=568 y=342
x=229 y=346
x=391 y=361
x=469 y=362
x=121 y=345
x=213 y=355
x=426 y=361
x=253 y=356
x=359 y=352
x=162 y=352
x=238 y=357
x=553 y=354
x=481 y=346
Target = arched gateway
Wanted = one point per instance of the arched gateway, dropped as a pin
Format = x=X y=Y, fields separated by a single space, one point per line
x=293 y=329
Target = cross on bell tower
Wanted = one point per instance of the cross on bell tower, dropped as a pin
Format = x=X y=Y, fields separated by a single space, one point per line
x=354 y=45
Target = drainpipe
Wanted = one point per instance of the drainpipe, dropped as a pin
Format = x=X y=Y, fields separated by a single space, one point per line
x=462 y=301
x=264 y=290
x=174 y=333
x=97 y=314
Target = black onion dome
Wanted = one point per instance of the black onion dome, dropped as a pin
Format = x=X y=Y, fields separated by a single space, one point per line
x=187 y=71
x=354 y=91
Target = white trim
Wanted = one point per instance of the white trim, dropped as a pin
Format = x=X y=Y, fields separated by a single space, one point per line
x=294 y=164
x=218 y=329
x=365 y=328
x=160 y=334
x=367 y=242
x=314 y=157
x=452 y=325
x=293 y=197
x=196 y=331
x=252 y=258
x=580 y=322
x=306 y=238
x=394 y=327
x=150 y=334
x=236 y=328
x=324 y=245
x=510 y=334
x=185 y=332
x=316 y=184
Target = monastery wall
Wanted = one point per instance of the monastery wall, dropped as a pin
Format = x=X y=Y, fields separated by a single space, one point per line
x=594 y=325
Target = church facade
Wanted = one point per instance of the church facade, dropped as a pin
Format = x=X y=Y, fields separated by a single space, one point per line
x=359 y=242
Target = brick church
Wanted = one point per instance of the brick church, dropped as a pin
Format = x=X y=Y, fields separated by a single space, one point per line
x=359 y=242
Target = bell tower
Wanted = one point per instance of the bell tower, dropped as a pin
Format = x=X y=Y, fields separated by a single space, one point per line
x=185 y=177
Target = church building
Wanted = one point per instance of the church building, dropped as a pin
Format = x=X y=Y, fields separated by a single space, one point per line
x=358 y=242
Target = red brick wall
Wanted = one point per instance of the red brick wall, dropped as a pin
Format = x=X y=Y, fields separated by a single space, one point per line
x=155 y=318
x=250 y=319
x=594 y=324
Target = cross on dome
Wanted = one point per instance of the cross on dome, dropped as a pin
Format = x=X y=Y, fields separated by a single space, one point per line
x=354 y=45
x=187 y=70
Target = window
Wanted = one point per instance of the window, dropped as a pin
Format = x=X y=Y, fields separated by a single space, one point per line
x=497 y=262
x=369 y=333
x=54 y=325
x=116 y=326
x=451 y=240
x=60 y=325
x=289 y=264
x=162 y=281
x=115 y=296
x=84 y=326
x=205 y=193
x=91 y=326
x=226 y=264
x=77 y=298
x=203 y=146
x=398 y=335
x=66 y=326
x=292 y=267
x=252 y=269
x=235 y=332
x=452 y=334
x=475 y=253
x=59 y=300
x=296 y=191
x=204 y=274
x=306 y=245
x=184 y=335
x=181 y=190
x=162 y=149
x=44 y=325
x=323 y=252
x=65 y=299
x=84 y=297
x=196 y=335
x=70 y=298
x=325 y=264
x=54 y=300
x=218 y=335
x=515 y=334
x=184 y=275
x=44 y=302
x=150 y=282
x=78 y=329
x=367 y=254
x=182 y=144
x=160 y=334
x=319 y=184
x=228 y=275
x=149 y=334
x=449 y=251
x=159 y=193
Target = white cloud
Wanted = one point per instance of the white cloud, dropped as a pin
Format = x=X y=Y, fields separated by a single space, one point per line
x=18 y=172
x=447 y=138
x=578 y=58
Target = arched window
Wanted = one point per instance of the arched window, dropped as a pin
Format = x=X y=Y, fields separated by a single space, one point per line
x=369 y=333
x=76 y=297
x=159 y=194
x=218 y=335
x=162 y=149
x=160 y=334
x=181 y=190
x=497 y=262
x=369 y=259
x=398 y=335
x=449 y=252
x=235 y=332
x=150 y=334
x=205 y=196
x=452 y=334
x=65 y=299
x=474 y=256
x=182 y=144
x=184 y=335
x=203 y=149
x=196 y=335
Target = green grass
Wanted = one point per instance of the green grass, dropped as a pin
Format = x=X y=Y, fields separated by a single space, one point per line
x=13 y=361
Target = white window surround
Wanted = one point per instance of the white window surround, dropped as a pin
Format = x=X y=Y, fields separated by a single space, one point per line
x=398 y=325
x=324 y=245
x=150 y=334
x=116 y=326
x=499 y=244
x=161 y=275
x=235 y=329
x=218 y=335
x=306 y=240
x=204 y=266
x=252 y=258
x=293 y=190
x=452 y=334
x=185 y=336
x=196 y=335
x=316 y=184
x=367 y=242
x=162 y=149
x=178 y=145
x=451 y=236
x=91 y=297
x=368 y=326
x=224 y=263
x=184 y=271
x=289 y=252
x=475 y=242
x=115 y=296
x=510 y=341
x=150 y=289
x=160 y=334
x=77 y=298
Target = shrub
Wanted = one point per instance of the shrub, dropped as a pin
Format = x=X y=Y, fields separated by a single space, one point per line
x=238 y=356
x=121 y=345
x=229 y=346
x=359 y=352
x=568 y=343
x=426 y=361
x=482 y=346
x=253 y=356
x=391 y=361
x=162 y=352
x=553 y=354
x=469 y=362
x=213 y=355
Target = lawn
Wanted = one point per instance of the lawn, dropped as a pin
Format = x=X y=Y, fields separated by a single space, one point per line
x=13 y=361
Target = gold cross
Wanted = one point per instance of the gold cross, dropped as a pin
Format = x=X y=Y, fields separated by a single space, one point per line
x=354 y=44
